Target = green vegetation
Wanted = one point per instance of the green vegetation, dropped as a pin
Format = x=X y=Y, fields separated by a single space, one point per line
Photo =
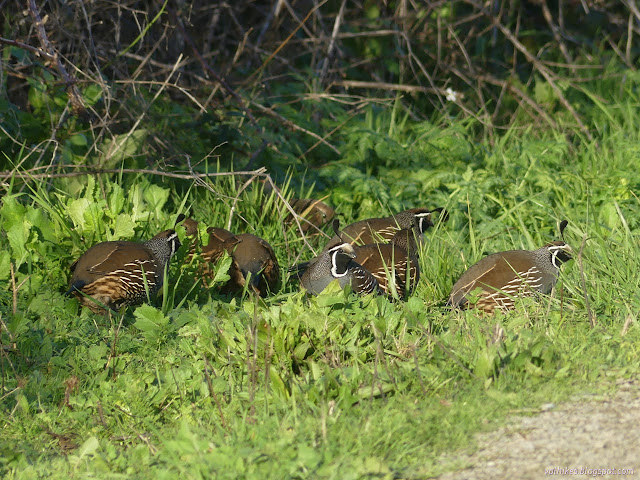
x=338 y=386
x=329 y=386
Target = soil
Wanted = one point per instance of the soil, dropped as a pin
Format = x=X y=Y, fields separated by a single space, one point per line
x=593 y=437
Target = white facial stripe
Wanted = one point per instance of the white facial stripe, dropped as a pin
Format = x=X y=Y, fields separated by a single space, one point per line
x=334 y=265
x=555 y=250
x=421 y=219
x=346 y=247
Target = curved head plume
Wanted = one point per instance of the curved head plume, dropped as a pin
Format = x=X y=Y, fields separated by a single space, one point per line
x=563 y=225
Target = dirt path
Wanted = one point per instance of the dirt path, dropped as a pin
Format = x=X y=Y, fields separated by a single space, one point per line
x=600 y=436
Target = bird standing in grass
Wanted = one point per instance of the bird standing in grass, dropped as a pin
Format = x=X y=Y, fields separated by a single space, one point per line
x=500 y=278
x=394 y=265
x=316 y=213
x=253 y=259
x=118 y=273
x=338 y=264
x=377 y=230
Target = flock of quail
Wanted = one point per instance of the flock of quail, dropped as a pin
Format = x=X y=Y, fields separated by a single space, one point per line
x=376 y=255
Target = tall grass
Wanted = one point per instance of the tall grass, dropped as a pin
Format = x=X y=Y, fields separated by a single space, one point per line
x=328 y=387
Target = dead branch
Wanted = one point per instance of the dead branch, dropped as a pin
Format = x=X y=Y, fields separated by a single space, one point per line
x=77 y=105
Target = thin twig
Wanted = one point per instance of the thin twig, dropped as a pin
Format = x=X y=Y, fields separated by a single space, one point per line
x=31 y=175
x=212 y=392
x=77 y=105
x=285 y=42
x=332 y=42
x=212 y=72
x=29 y=48
x=293 y=126
x=546 y=12
x=537 y=65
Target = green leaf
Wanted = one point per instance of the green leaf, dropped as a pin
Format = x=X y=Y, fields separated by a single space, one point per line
x=5 y=265
x=123 y=147
x=18 y=236
x=12 y=211
x=155 y=197
x=79 y=140
x=92 y=94
x=88 y=448
x=124 y=227
x=543 y=92
x=76 y=210
x=222 y=269
x=331 y=295
x=116 y=200
x=151 y=322
x=485 y=363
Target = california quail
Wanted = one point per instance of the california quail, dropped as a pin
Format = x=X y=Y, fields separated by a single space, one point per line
x=316 y=212
x=115 y=274
x=394 y=265
x=337 y=264
x=251 y=256
x=375 y=230
x=504 y=276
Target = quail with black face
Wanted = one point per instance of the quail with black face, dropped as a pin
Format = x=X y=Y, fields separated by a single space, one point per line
x=500 y=278
x=119 y=273
x=337 y=264
x=381 y=230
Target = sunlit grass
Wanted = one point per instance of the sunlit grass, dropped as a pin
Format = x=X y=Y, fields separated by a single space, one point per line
x=330 y=387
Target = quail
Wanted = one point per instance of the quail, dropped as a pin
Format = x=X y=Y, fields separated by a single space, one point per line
x=338 y=264
x=119 y=273
x=316 y=212
x=502 y=277
x=252 y=258
x=374 y=230
x=394 y=265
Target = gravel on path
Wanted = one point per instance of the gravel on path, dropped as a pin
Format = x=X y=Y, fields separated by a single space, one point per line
x=595 y=438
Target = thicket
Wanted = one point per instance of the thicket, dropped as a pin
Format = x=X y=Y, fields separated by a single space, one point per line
x=255 y=83
x=510 y=114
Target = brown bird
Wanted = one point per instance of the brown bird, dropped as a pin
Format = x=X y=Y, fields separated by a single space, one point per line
x=316 y=212
x=252 y=258
x=502 y=277
x=376 y=230
x=116 y=274
x=394 y=265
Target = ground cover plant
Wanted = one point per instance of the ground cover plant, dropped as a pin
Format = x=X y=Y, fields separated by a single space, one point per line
x=336 y=386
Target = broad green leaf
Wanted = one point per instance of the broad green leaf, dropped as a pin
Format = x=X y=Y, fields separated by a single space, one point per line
x=76 y=210
x=116 y=200
x=89 y=447
x=139 y=210
x=155 y=197
x=12 y=211
x=151 y=322
x=124 y=227
x=18 y=235
x=222 y=269
x=331 y=295
x=123 y=147
x=92 y=94
x=79 y=140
